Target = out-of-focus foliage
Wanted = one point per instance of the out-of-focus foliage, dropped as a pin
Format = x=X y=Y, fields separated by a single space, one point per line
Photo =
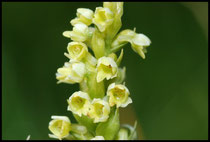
x=168 y=88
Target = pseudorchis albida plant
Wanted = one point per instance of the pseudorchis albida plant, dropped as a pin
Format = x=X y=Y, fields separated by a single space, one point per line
x=100 y=77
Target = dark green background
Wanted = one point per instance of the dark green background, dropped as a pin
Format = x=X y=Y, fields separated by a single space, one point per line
x=168 y=88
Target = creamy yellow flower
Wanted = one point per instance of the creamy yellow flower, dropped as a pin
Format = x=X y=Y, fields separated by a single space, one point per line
x=72 y=72
x=76 y=50
x=138 y=42
x=60 y=126
x=118 y=95
x=79 y=103
x=99 y=110
x=98 y=138
x=106 y=68
x=80 y=32
x=84 y=15
x=103 y=18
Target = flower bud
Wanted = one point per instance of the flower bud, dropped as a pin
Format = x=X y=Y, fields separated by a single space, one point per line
x=90 y=60
x=79 y=129
x=103 y=17
x=80 y=32
x=76 y=50
x=117 y=10
x=99 y=110
x=72 y=72
x=115 y=7
x=106 y=68
x=122 y=134
x=84 y=15
x=98 y=44
x=60 y=127
x=118 y=95
x=79 y=103
x=98 y=138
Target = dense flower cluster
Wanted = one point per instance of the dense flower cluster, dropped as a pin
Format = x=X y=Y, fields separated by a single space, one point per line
x=102 y=88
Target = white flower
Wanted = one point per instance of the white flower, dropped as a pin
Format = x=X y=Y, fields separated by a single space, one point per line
x=72 y=72
x=84 y=15
x=76 y=50
x=118 y=95
x=80 y=32
x=60 y=127
x=103 y=17
x=99 y=110
x=79 y=103
x=106 y=68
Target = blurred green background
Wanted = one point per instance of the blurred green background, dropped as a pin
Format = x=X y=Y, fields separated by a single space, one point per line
x=168 y=88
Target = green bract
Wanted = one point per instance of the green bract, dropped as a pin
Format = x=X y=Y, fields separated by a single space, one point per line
x=101 y=79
